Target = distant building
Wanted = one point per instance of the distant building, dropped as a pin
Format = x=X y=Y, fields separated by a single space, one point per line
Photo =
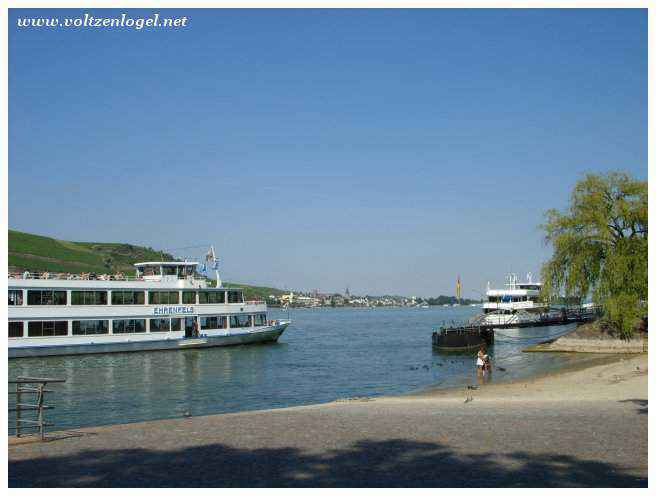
x=337 y=300
x=299 y=300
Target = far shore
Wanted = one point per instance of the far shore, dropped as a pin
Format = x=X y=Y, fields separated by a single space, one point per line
x=582 y=427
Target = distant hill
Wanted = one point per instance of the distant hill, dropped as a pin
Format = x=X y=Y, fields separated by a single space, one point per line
x=41 y=253
x=256 y=292
x=33 y=252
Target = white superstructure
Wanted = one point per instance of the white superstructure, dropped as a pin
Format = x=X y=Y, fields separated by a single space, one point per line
x=165 y=305
x=518 y=302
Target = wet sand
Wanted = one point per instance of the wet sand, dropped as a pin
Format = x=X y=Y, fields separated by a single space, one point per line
x=577 y=428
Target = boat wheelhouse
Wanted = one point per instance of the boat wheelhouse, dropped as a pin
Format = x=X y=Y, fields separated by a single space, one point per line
x=165 y=305
x=519 y=302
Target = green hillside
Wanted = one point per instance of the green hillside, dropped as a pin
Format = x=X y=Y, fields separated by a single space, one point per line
x=255 y=292
x=33 y=252
x=41 y=253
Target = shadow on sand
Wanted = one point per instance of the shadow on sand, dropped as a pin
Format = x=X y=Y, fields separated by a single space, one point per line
x=643 y=405
x=392 y=463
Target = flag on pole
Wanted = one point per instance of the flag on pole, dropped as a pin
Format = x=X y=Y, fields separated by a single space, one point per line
x=211 y=259
x=458 y=287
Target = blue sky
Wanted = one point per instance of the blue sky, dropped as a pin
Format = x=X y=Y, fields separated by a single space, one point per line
x=386 y=150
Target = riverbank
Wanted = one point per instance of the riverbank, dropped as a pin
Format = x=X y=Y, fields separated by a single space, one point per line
x=596 y=337
x=579 y=428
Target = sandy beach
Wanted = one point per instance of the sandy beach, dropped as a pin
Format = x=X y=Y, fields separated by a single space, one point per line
x=575 y=428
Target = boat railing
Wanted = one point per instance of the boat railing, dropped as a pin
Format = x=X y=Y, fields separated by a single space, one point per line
x=572 y=314
x=90 y=276
x=255 y=302
x=459 y=324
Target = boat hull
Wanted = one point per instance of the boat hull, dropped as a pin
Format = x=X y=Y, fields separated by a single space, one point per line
x=462 y=339
x=492 y=319
x=262 y=335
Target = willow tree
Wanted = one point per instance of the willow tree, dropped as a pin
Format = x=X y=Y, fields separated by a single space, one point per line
x=600 y=247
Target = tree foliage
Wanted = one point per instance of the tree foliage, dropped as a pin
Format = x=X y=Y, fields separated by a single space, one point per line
x=600 y=247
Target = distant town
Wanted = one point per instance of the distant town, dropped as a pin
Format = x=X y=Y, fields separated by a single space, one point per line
x=314 y=299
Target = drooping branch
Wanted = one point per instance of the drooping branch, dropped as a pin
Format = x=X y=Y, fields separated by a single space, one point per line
x=600 y=245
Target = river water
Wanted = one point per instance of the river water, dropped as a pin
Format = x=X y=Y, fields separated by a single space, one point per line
x=326 y=354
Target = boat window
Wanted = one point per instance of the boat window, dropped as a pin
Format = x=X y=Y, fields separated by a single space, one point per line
x=165 y=325
x=211 y=297
x=189 y=297
x=150 y=271
x=16 y=329
x=129 y=326
x=169 y=271
x=128 y=298
x=240 y=321
x=235 y=297
x=46 y=297
x=215 y=322
x=260 y=319
x=85 y=327
x=163 y=297
x=493 y=299
x=158 y=325
x=47 y=328
x=88 y=297
x=15 y=297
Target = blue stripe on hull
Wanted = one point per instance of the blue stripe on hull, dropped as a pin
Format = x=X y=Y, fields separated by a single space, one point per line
x=264 y=336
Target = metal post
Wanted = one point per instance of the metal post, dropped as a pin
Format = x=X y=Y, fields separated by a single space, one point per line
x=27 y=386
x=18 y=409
x=39 y=402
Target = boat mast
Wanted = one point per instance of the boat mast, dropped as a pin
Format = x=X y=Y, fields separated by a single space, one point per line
x=211 y=256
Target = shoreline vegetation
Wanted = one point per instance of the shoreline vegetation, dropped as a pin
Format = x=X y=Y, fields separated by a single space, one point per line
x=600 y=249
x=510 y=425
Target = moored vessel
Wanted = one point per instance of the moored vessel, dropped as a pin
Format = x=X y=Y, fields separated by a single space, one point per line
x=517 y=306
x=165 y=305
x=518 y=303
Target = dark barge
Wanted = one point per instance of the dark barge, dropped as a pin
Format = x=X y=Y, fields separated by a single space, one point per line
x=462 y=338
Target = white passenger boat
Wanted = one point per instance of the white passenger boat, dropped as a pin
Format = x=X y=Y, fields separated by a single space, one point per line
x=164 y=306
x=519 y=303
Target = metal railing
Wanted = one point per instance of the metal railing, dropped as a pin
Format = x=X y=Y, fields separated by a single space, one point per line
x=26 y=386
x=523 y=318
x=90 y=276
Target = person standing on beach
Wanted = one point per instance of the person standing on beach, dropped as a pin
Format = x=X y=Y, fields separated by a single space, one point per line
x=480 y=359
x=483 y=364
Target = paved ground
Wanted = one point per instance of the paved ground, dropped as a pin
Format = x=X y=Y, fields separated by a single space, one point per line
x=391 y=442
